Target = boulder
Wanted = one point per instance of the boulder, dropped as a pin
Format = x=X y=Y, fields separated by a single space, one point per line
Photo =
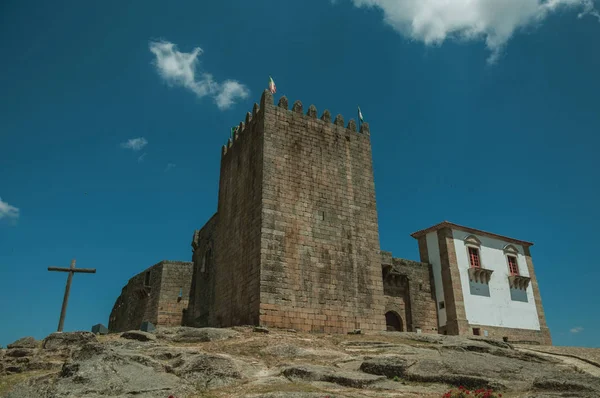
x=330 y=375
x=113 y=373
x=25 y=342
x=67 y=340
x=250 y=366
x=200 y=335
x=208 y=370
x=573 y=384
x=19 y=352
x=138 y=335
x=89 y=350
x=284 y=351
x=389 y=367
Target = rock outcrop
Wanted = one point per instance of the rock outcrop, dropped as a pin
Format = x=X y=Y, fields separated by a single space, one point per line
x=208 y=362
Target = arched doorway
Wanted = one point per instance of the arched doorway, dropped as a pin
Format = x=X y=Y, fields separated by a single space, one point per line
x=393 y=322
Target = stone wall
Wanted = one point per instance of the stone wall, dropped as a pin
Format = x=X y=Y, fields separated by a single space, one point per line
x=397 y=302
x=174 y=292
x=523 y=336
x=418 y=298
x=544 y=337
x=201 y=306
x=237 y=250
x=138 y=301
x=142 y=298
x=423 y=308
x=456 y=317
x=396 y=293
x=320 y=266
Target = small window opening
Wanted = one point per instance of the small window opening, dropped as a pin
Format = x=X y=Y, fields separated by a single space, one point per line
x=420 y=286
x=513 y=266
x=474 y=257
x=206 y=261
x=322 y=215
x=476 y=331
x=147 y=279
x=442 y=305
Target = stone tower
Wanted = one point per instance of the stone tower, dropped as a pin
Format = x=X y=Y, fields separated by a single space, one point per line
x=295 y=241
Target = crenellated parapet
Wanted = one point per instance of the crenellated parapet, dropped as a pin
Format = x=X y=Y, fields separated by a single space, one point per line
x=267 y=101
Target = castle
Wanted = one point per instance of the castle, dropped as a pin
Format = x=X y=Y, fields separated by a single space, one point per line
x=295 y=244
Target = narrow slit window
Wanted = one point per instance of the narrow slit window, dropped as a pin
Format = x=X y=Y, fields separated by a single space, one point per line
x=474 y=257
x=147 y=279
x=206 y=261
x=513 y=266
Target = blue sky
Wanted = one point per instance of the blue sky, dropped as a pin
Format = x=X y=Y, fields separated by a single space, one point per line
x=112 y=119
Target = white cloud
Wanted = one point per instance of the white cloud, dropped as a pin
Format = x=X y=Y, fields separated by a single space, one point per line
x=8 y=211
x=141 y=157
x=495 y=21
x=180 y=69
x=136 y=144
x=576 y=329
x=229 y=92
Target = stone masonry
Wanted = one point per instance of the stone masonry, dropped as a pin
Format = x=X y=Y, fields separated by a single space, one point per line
x=157 y=295
x=415 y=300
x=457 y=323
x=202 y=290
x=295 y=242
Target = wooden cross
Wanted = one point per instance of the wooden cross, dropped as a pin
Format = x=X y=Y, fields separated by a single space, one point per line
x=71 y=271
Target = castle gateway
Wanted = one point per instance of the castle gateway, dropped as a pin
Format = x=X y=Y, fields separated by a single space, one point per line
x=295 y=244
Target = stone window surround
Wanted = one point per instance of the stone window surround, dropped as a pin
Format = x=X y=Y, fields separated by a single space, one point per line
x=515 y=280
x=511 y=251
x=479 y=274
x=472 y=242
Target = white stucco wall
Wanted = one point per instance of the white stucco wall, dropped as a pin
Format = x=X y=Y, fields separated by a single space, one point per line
x=433 y=250
x=498 y=309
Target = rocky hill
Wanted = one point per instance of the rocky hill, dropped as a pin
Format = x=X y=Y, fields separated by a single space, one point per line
x=255 y=362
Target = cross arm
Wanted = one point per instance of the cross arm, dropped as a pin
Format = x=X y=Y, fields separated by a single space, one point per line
x=83 y=270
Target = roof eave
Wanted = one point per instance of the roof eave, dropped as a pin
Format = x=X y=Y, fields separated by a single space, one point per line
x=448 y=224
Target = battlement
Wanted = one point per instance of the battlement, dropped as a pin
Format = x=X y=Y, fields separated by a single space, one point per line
x=249 y=124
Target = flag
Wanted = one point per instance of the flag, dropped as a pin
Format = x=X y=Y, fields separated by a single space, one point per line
x=360 y=117
x=272 y=87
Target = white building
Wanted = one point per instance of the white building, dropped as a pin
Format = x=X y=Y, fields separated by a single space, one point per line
x=484 y=283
